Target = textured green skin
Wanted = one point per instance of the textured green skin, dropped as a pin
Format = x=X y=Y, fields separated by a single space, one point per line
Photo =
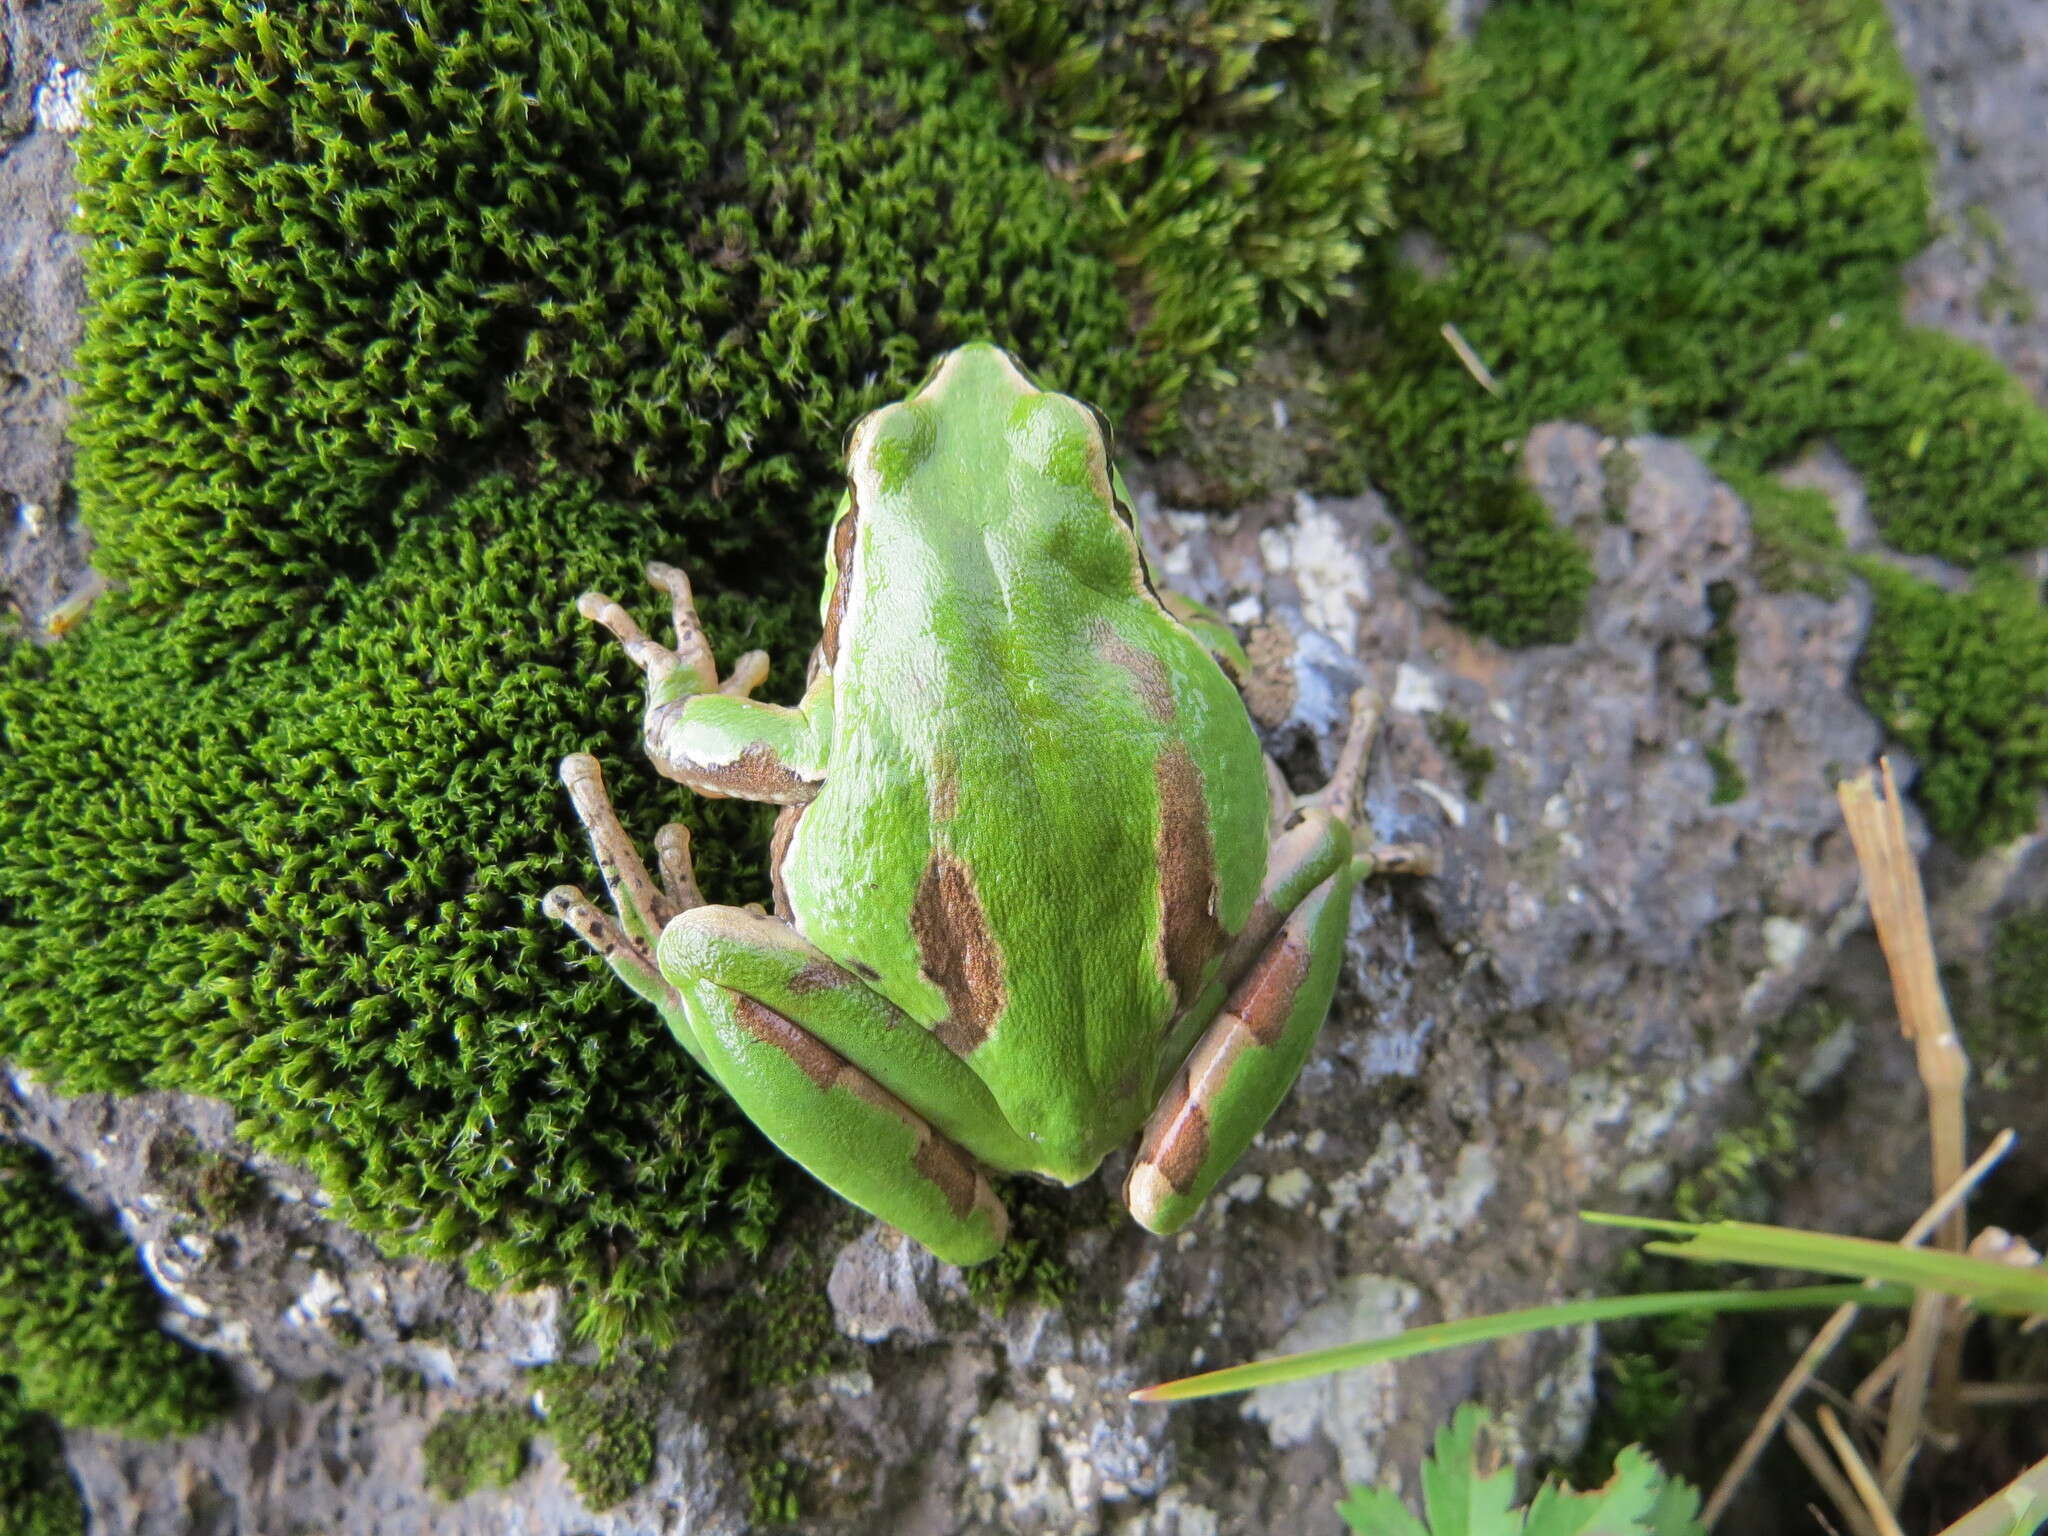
x=992 y=694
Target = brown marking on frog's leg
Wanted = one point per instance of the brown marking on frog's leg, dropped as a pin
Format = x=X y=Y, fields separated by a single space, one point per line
x=1244 y=1062
x=957 y=953
x=756 y=774
x=1155 y=688
x=1172 y=1151
x=778 y=854
x=817 y=976
x=816 y=1060
x=1263 y=1000
x=643 y=907
x=843 y=539
x=956 y=1176
x=1189 y=932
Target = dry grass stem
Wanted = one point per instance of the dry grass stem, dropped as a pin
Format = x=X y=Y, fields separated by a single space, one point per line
x=1904 y=1423
x=2001 y=1394
x=1836 y=1328
x=1867 y=1492
x=1833 y=1484
x=1470 y=359
x=1898 y=908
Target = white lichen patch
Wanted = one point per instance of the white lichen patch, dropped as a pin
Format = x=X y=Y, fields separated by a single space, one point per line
x=322 y=1297
x=1785 y=941
x=1327 y=568
x=1405 y=1195
x=1352 y=1409
x=1416 y=691
x=1290 y=1190
x=60 y=100
x=1602 y=1101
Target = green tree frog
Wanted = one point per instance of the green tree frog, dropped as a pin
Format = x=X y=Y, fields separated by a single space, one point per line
x=1037 y=888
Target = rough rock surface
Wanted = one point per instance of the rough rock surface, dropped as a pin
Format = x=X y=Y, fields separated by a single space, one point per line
x=1982 y=67
x=1651 y=870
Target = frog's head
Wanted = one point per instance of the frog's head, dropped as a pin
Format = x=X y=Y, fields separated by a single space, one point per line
x=981 y=448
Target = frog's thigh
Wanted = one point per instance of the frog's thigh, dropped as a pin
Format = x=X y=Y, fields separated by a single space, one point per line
x=777 y=1023
x=1244 y=1063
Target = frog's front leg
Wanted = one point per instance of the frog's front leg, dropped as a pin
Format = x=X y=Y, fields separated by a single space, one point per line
x=711 y=735
x=1281 y=975
x=823 y=1064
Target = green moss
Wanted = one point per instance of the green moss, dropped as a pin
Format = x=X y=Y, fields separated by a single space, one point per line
x=1721 y=651
x=1679 y=215
x=279 y=817
x=37 y=1496
x=774 y=1491
x=78 y=1318
x=1235 y=158
x=1473 y=760
x=1033 y=1265
x=602 y=1421
x=1730 y=784
x=1961 y=680
x=777 y=1326
x=472 y=1448
x=217 y=1188
x=2002 y=1012
x=1795 y=543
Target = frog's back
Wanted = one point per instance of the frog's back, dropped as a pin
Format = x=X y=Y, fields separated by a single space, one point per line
x=1044 y=805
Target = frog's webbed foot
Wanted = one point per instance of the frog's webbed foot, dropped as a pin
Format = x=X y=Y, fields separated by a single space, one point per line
x=644 y=908
x=690 y=655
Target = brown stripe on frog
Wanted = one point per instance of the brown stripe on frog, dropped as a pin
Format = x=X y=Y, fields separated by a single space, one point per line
x=957 y=953
x=817 y=1061
x=1264 y=1001
x=778 y=856
x=1189 y=932
x=842 y=583
x=954 y=1174
x=817 y=976
x=1155 y=688
x=1181 y=1143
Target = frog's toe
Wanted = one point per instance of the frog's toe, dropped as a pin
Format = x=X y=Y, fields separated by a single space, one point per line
x=629 y=960
x=644 y=906
x=748 y=673
x=656 y=660
x=678 y=874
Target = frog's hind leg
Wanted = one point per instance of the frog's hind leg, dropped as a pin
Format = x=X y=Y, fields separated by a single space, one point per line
x=802 y=1044
x=1244 y=1062
x=1281 y=972
x=806 y=1049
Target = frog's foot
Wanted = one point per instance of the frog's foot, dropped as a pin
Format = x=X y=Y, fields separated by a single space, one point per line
x=690 y=656
x=644 y=908
x=748 y=673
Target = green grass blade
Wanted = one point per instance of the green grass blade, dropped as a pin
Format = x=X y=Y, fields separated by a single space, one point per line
x=1991 y=1286
x=1480 y=1330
